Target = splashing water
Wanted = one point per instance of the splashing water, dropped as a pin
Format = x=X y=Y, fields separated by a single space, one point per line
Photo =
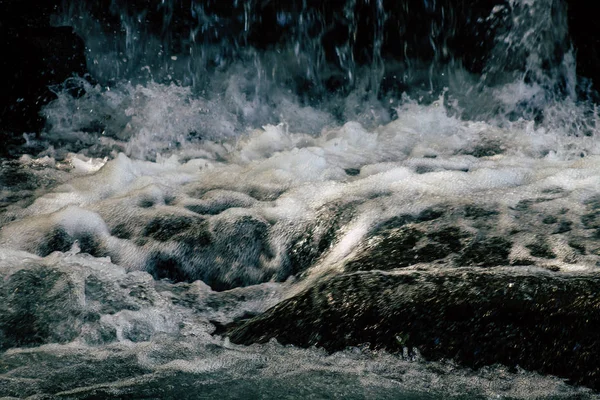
x=222 y=159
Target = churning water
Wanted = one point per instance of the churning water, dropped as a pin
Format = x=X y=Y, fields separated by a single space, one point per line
x=218 y=160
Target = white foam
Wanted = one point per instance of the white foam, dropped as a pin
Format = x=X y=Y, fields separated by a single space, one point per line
x=285 y=179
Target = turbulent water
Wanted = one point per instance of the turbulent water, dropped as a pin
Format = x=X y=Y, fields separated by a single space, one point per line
x=188 y=184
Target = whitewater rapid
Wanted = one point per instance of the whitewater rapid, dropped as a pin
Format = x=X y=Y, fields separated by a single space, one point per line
x=235 y=222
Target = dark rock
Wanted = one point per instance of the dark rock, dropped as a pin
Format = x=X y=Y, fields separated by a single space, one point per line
x=189 y=230
x=164 y=266
x=216 y=201
x=38 y=306
x=15 y=177
x=425 y=169
x=109 y=300
x=395 y=222
x=536 y=320
x=541 y=249
x=486 y=251
x=591 y=220
x=563 y=227
x=450 y=237
x=396 y=249
x=528 y=204
x=139 y=331
x=580 y=247
x=554 y=190
x=230 y=251
x=431 y=213
x=58 y=239
x=487 y=149
x=242 y=249
x=318 y=237
x=45 y=301
x=430 y=237
x=122 y=231
x=593 y=203
x=473 y=211
x=550 y=219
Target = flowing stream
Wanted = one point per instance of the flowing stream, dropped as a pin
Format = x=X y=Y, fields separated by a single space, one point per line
x=220 y=159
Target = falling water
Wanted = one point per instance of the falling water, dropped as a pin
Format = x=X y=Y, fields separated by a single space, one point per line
x=227 y=162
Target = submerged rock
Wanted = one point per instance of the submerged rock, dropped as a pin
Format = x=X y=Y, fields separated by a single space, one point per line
x=39 y=305
x=531 y=318
x=65 y=297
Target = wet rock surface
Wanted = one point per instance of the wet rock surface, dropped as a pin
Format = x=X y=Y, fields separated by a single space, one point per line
x=538 y=231
x=396 y=257
x=89 y=330
x=45 y=301
x=416 y=287
x=450 y=293
x=529 y=318
x=70 y=297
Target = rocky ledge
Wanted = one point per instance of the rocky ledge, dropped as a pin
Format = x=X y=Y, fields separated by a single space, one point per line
x=530 y=318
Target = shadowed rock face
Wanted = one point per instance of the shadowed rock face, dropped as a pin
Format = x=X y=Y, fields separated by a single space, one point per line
x=532 y=319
